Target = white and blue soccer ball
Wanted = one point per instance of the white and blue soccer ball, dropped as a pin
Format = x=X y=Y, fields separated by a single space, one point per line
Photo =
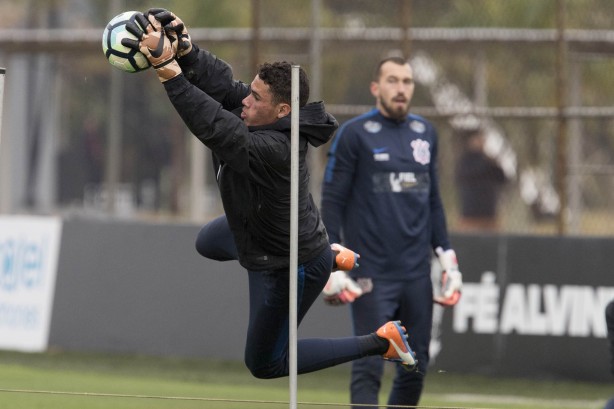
x=120 y=56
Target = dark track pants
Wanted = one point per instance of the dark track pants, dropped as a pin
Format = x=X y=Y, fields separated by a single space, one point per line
x=266 y=350
x=412 y=303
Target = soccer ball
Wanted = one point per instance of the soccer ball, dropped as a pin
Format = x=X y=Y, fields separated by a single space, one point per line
x=120 y=56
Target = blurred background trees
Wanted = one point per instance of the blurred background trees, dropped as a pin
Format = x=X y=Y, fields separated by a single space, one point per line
x=73 y=125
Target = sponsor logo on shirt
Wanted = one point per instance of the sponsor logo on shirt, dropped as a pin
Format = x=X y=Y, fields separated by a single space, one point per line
x=380 y=154
x=401 y=182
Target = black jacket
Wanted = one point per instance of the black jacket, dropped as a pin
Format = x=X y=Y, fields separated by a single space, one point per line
x=253 y=162
x=479 y=180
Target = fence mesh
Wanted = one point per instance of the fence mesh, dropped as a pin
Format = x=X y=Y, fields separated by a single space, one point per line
x=483 y=62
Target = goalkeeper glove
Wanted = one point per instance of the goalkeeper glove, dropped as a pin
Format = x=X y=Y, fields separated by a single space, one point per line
x=174 y=27
x=155 y=45
x=345 y=259
x=451 y=278
x=340 y=289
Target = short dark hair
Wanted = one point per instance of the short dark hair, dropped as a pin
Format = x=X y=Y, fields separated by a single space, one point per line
x=394 y=59
x=278 y=76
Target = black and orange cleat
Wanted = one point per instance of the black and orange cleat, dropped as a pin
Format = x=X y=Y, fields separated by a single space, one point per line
x=399 y=350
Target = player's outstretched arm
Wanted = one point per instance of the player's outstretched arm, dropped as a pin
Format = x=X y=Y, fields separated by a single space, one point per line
x=200 y=67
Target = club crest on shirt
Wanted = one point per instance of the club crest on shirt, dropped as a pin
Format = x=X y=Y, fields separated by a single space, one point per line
x=421 y=152
x=417 y=126
x=372 y=126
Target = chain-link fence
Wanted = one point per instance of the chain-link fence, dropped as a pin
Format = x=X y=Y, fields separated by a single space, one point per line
x=536 y=76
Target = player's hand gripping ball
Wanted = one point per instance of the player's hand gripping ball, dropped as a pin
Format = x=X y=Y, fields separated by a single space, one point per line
x=122 y=57
x=157 y=47
x=174 y=27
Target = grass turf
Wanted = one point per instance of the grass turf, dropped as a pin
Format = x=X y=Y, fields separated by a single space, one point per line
x=91 y=381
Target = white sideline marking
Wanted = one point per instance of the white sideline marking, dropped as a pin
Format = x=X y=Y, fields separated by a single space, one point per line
x=491 y=399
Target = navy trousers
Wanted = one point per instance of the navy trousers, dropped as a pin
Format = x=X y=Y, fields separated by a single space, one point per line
x=412 y=303
x=266 y=350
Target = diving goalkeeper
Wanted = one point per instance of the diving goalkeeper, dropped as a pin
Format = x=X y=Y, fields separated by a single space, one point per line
x=247 y=128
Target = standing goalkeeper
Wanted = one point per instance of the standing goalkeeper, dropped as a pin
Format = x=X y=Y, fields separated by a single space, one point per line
x=247 y=127
x=381 y=199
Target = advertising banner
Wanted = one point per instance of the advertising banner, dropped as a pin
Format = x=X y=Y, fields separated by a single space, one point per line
x=29 y=249
x=531 y=306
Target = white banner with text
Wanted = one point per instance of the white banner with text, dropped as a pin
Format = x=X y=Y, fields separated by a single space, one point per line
x=29 y=251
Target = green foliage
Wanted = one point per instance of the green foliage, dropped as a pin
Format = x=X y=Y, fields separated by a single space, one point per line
x=515 y=75
x=517 y=13
x=212 y=13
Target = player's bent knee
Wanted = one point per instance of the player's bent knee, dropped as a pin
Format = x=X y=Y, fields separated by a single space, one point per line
x=203 y=249
x=218 y=251
x=269 y=370
x=266 y=373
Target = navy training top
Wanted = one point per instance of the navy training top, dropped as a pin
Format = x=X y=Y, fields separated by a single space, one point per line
x=380 y=195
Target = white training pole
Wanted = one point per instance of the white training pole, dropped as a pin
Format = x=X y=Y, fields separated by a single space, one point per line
x=5 y=196
x=2 y=73
x=294 y=139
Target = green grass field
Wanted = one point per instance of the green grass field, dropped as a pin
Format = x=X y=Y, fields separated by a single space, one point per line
x=89 y=381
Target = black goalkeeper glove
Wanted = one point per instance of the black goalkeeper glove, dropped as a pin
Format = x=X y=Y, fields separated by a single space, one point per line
x=157 y=47
x=174 y=27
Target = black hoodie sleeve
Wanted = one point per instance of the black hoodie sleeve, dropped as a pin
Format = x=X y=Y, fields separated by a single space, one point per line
x=220 y=130
x=213 y=76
